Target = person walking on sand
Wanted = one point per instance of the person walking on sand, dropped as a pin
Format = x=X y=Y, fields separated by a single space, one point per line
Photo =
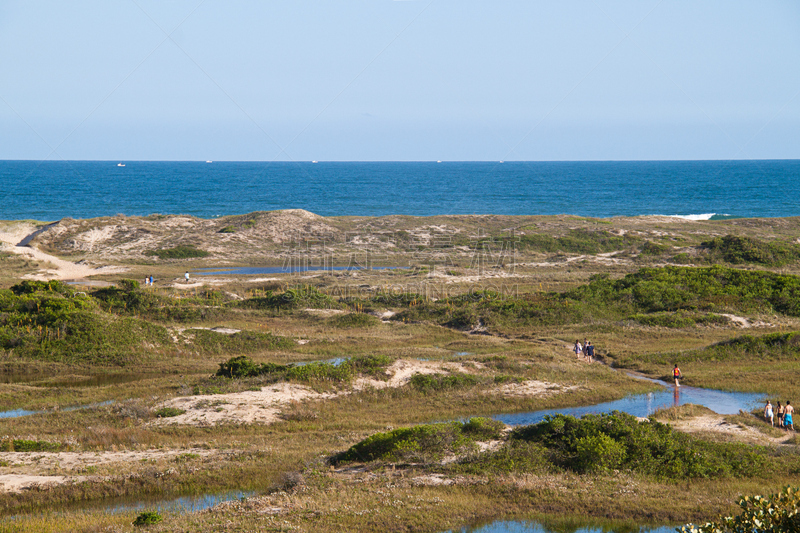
x=151 y=280
x=676 y=375
x=186 y=276
x=768 y=415
x=779 y=412
x=787 y=416
x=578 y=349
x=585 y=344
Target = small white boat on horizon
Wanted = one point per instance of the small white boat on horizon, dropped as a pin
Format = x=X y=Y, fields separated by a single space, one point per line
x=120 y=164
x=209 y=161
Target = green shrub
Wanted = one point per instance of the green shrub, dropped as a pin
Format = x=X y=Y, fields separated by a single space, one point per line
x=298 y=297
x=619 y=440
x=424 y=443
x=354 y=320
x=776 y=513
x=182 y=251
x=652 y=248
x=679 y=319
x=22 y=445
x=514 y=457
x=579 y=241
x=739 y=250
x=438 y=382
x=168 y=412
x=147 y=518
x=244 y=367
x=595 y=453
x=212 y=342
x=483 y=428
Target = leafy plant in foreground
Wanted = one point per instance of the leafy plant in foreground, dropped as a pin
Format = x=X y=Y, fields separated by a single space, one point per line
x=777 y=513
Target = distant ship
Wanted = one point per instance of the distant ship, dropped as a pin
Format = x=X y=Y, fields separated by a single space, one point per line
x=209 y=161
x=120 y=164
x=315 y=161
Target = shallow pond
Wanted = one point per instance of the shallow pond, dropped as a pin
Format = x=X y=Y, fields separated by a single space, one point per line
x=246 y=271
x=517 y=526
x=643 y=405
x=16 y=413
x=184 y=504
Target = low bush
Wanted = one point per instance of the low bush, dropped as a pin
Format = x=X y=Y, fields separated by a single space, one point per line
x=22 y=445
x=168 y=412
x=147 y=518
x=438 y=382
x=737 y=250
x=354 y=320
x=619 y=441
x=679 y=319
x=425 y=443
x=776 y=513
x=298 y=297
x=187 y=251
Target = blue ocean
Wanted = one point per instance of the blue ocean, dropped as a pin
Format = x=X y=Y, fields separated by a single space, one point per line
x=50 y=190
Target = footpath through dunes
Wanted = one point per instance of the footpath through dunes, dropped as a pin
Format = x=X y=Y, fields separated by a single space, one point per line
x=16 y=238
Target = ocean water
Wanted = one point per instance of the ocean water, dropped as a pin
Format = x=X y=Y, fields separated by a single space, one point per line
x=50 y=190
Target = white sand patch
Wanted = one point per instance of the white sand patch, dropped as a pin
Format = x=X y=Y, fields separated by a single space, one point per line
x=261 y=406
x=20 y=482
x=718 y=424
x=402 y=370
x=743 y=322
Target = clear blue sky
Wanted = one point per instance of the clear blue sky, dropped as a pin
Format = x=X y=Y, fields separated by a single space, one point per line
x=399 y=80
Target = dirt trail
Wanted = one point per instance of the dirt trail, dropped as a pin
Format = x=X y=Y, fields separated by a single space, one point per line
x=12 y=239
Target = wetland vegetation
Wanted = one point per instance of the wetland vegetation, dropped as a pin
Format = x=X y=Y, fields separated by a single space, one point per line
x=363 y=401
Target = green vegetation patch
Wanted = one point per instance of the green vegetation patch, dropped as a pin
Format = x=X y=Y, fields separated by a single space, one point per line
x=739 y=250
x=299 y=297
x=354 y=320
x=54 y=327
x=438 y=382
x=22 y=445
x=212 y=342
x=147 y=518
x=776 y=513
x=680 y=319
x=579 y=241
x=168 y=412
x=183 y=251
x=618 y=441
x=244 y=367
x=746 y=348
x=425 y=443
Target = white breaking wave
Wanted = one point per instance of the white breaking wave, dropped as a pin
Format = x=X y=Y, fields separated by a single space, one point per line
x=704 y=216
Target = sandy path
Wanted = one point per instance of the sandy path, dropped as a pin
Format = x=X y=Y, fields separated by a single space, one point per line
x=11 y=236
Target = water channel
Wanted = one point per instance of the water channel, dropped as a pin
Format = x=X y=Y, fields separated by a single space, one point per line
x=524 y=526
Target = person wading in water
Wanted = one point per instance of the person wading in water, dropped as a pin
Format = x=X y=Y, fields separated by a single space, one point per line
x=676 y=375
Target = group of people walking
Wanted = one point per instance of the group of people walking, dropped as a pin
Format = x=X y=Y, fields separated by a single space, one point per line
x=585 y=350
x=148 y=280
x=781 y=415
